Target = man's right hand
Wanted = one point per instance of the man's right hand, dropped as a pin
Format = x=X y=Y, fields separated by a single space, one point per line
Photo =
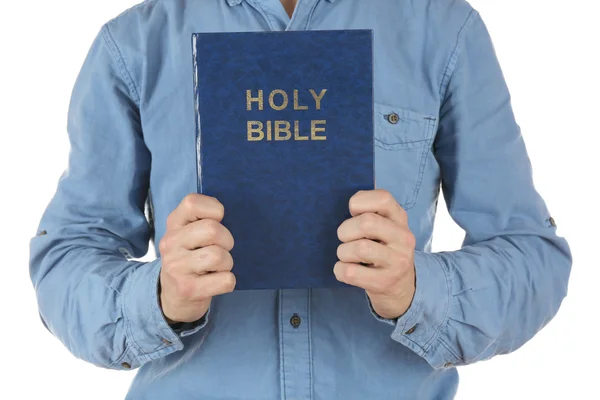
x=196 y=263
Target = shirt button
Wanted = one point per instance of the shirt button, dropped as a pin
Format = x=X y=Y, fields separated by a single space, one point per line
x=552 y=221
x=411 y=330
x=295 y=321
x=393 y=118
x=126 y=365
x=448 y=365
x=167 y=342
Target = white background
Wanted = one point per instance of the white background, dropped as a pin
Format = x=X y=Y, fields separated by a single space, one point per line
x=550 y=59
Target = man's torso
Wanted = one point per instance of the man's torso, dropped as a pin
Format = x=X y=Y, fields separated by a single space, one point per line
x=250 y=349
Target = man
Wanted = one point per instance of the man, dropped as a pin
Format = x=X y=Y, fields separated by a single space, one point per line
x=410 y=316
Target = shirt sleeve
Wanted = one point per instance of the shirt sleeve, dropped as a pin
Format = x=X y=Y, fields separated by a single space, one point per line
x=511 y=274
x=91 y=294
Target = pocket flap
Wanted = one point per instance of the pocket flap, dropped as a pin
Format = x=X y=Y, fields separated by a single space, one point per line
x=397 y=127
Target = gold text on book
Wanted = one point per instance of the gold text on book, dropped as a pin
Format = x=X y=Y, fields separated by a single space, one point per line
x=278 y=130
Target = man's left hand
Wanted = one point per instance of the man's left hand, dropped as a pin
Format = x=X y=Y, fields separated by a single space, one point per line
x=377 y=252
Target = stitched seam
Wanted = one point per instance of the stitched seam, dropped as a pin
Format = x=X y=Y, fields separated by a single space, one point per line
x=396 y=143
x=155 y=317
x=423 y=163
x=129 y=337
x=310 y=359
x=419 y=178
x=134 y=7
x=114 y=364
x=282 y=356
x=449 y=350
x=428 y=343
x=129 y=323
x=129 y=334
x=424 y=156
x=445 y=319
x=116 y=53
x=454 y=56
x=310 y=15
x=265 y=15
x=420 y=348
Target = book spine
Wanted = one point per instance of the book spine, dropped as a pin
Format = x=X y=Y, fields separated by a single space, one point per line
x=197 y=135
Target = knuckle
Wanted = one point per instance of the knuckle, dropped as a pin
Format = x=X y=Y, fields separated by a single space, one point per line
x=385 y=196
x=228 y=263
x=368 y=222
x=340 y=251
x=340 y=232
x=364 y=249
x=352 y=203
x=219 y=209
x=165 y=244
x=403 y=212
x=229 y=282
x=348 y=273
x=216 y=255
x=190 y=201
x=388 y=200
x=211 y=228
x=228 y=242
x=232 y=245
x=338 y=271
x=410 y=240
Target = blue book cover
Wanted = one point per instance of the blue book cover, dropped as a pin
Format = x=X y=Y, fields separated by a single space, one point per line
x=284 y=139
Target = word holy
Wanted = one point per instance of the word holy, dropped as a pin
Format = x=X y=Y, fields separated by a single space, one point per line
x=279 y=129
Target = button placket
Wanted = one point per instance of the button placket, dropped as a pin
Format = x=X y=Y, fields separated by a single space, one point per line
x=295 y=346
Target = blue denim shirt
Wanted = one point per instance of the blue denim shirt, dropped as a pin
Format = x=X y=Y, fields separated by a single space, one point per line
x=131 y=129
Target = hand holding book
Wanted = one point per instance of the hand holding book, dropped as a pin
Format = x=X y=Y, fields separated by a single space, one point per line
x=196 y=259
x=377 y=252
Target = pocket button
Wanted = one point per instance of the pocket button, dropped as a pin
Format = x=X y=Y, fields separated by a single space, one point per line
x=393 y=118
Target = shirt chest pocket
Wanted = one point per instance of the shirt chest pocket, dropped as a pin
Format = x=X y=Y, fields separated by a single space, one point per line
x=403 y=140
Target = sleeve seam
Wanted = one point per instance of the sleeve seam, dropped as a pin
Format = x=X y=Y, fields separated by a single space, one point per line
x=457 y=359
x=117 y=55
x=129 y=334
x=115 y=364
x=453 y=60
x=444 y=321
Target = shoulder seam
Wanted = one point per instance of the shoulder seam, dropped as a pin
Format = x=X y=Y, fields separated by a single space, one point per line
x=116 y=53
x=132 y=8
x=455 y=54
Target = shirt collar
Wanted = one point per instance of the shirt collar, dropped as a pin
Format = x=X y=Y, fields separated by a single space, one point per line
x=236 y=2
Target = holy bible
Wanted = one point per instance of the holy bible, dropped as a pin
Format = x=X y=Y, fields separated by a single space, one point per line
x=284 y=138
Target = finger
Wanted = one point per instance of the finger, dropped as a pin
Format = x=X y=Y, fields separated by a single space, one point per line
x=367 y=252
x=210 y=285
x=193 y=208
x=209 y=259
x=369 y=226
x=380 y=202
x=375 y=280
x=205 y=232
